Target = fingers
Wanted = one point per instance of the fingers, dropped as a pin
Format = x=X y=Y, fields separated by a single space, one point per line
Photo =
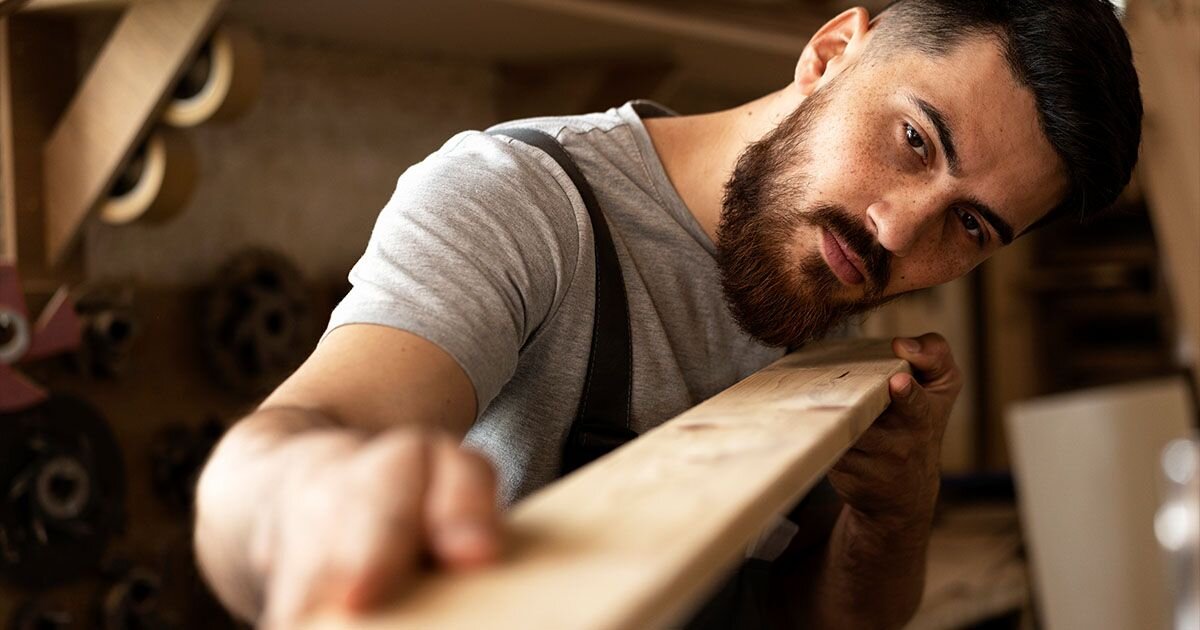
x=380 y=546
x=931 y=359
x=902 y=429
x=462 y=520
x=352 y=532
x=909 y=400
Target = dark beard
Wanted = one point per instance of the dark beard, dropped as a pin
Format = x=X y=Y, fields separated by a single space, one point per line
x=772 y=297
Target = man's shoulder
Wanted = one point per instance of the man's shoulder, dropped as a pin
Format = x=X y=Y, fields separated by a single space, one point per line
x=612 y=133
x=476 y=165
x=566 y=127
x=506 y=172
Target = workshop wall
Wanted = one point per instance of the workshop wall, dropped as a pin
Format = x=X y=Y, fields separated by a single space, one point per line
x=307 y=169
x=303 y=174
x=299 y=177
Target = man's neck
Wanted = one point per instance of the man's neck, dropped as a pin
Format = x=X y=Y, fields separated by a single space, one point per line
x=700 y=152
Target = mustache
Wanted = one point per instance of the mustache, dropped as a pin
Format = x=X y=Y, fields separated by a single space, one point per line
x=876 y=259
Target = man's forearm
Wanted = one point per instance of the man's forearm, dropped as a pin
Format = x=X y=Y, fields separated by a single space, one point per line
x=238 y=486
x=870 y=574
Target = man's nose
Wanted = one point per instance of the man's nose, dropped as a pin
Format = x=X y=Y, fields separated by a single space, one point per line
x=899 y=228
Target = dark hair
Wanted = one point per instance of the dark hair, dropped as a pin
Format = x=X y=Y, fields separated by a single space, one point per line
x=1075 y=58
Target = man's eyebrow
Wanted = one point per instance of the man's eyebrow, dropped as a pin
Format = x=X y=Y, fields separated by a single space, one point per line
x=945 y=135
x=1002 y=227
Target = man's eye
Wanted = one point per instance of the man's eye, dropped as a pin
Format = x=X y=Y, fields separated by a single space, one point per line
x=914 y=139
x=971 y=224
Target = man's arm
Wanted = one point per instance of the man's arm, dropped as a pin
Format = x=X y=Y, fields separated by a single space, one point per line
x=300 y=501
x=870 y=573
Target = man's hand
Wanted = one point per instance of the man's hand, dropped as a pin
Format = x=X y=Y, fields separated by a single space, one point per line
x=357 y=524
x=870 y=573
x=890 y=476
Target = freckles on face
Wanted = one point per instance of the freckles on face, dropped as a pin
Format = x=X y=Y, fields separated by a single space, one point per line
x=881 y=156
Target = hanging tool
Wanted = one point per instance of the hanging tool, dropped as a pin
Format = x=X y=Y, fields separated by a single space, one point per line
x=57 y=330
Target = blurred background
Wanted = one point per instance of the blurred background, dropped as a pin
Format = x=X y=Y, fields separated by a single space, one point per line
x=198 y=176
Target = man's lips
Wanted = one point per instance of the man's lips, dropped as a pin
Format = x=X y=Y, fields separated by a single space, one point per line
x=845 y=264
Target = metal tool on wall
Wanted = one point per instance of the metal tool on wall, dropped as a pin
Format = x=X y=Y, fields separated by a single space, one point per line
x=38 y=613
x=133 y=602
x=157 y=180
x=176 y=457
x=222 y=81
x=156 y=183
x=60 y=467
x=55 y=331
x=110 y=329
x=63 y=491
x=257 y=321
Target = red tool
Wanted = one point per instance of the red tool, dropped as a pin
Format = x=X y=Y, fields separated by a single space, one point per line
x=57 y=330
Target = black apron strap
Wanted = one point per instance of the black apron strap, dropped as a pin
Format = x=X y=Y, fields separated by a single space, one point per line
x=602 y=422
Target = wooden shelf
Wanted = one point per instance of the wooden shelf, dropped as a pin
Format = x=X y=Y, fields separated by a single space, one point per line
x=114 y=107
x=64 y=6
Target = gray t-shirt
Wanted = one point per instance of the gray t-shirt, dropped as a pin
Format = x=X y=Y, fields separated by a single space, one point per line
x=485 y=249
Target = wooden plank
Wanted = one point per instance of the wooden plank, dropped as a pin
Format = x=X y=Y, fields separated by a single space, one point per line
x=651 y=527
x=77 y=5
x=1166 y=44
x=115 y=106
x=8 y=208
x=44 y=60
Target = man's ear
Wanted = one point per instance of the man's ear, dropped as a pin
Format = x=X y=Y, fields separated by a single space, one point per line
x=831 y=48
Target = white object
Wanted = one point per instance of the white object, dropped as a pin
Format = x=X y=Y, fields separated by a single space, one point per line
x=1088 y=480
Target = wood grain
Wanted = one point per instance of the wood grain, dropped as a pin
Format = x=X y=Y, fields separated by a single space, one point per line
x=638 y=538
x=127 y=86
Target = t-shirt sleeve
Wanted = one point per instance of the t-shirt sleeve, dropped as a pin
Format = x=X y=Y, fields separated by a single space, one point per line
x=473 y=252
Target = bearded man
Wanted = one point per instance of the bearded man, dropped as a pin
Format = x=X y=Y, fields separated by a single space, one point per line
x=906 y=150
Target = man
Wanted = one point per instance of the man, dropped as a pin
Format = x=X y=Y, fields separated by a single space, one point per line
x=905 y=151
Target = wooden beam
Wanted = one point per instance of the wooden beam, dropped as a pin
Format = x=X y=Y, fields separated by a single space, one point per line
x=43 y=57
x=1166 y=45
x=676 y=23
x=126 y=88
x=8 y=206
x=637 y=539
x=63 y=6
